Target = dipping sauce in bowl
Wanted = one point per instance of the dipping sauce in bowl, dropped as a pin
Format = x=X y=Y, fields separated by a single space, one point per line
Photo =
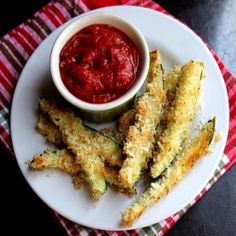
x=99 y=63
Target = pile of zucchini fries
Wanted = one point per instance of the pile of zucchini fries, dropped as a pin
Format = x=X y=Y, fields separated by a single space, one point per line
x=153 y=135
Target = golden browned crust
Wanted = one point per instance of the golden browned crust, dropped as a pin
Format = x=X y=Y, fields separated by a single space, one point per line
x=60 y=159
x=78 y=180
x=108 y=150
x=196 y=149
x=80 y=141
x=179 y=118
x=46 y=128
x=126 y=120
x=140 y=137
x=111 y=176
x=65 y=161
x=171 y=82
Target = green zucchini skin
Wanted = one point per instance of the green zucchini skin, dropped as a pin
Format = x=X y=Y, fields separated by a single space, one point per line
x=141 y=135
x=65 y=160
x=193 y=151
x=81 y=142
x=108 y=150
x=179 y=118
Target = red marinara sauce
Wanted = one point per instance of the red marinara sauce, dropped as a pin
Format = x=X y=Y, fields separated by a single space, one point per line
x=99 y=63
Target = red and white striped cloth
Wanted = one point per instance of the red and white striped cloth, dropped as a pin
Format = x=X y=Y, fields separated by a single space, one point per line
x=20 y=43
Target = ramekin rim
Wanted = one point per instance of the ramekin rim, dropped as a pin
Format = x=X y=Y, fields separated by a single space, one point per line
x=96 y=106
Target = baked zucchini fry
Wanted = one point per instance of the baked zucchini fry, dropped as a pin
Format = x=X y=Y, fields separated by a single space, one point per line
x=47 y=129
x=111 y=176
x=81 y=142
x=65 y=161
x=127 y=118
x=171 y=81
x=109 y=151
x=198 y=147
x=178 y=120
x=118 y=134
x=141 y=136
x=59 y=159
x=122 y=127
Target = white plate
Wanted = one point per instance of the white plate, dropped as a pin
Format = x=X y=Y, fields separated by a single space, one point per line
x=178 y=44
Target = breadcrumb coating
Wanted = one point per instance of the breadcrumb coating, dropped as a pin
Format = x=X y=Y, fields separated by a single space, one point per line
x=141 y=135
x=179 y=118
x=196 y=149
x=82 y=142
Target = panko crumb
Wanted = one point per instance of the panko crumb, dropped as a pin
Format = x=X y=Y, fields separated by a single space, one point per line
x=108 y=132
x=217 y=138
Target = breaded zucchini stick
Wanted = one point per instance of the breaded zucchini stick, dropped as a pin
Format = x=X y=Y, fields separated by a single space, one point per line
x=60 y=159
x=127 y=118
x=178 y=120
x=46 y=128
x=122 y=127
x=140 y=138
x=79 y=140
x=111 y=176
x=171 y=81
x=108 y=150
x=198 y=147
x=65 y=161
x=118 y=134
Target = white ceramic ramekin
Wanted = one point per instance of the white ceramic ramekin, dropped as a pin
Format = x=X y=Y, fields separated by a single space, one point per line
x=107 y=111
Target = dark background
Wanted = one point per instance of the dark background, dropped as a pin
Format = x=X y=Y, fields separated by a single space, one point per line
x=24 y=214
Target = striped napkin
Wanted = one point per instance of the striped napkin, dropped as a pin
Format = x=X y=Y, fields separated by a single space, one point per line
x=17 y=46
